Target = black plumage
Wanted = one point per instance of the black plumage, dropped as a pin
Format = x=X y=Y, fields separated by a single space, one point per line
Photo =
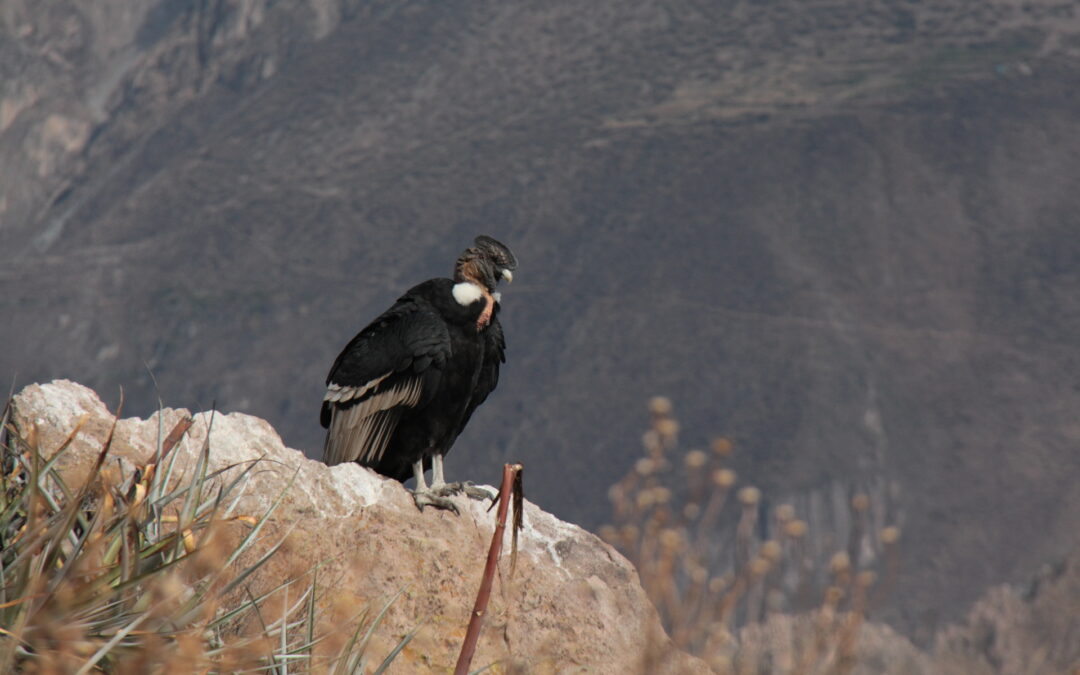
x=404 y=388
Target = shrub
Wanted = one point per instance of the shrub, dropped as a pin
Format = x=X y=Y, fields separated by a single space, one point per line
x=693 y=534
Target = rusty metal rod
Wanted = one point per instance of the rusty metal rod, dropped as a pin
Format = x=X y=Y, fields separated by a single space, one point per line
x=476 y=621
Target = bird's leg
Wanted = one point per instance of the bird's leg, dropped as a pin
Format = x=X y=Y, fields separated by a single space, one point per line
x=439 y=484
x=425 y=496
x=437 y=480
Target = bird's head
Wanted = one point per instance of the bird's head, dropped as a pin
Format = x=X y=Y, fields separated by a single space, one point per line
x=485 y=263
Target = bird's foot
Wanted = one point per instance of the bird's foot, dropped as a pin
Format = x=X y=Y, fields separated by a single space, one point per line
x=434 y=497
x=471 y=490
x=446 y=489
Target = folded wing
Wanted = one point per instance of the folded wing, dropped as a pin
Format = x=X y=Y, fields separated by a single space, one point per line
x=394 y=364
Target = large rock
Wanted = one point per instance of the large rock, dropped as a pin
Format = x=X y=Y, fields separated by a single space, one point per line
x=573 y=605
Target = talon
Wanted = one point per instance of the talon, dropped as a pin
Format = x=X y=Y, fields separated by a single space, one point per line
x=476 y=492
x=429 y=497
x=447 y=489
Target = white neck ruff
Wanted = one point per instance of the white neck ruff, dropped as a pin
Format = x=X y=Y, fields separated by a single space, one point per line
x=466 y=293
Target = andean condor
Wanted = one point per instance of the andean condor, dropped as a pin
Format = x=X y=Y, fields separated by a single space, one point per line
x=403 y=389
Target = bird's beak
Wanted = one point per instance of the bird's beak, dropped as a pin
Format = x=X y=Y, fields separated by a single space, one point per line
x=508 y=275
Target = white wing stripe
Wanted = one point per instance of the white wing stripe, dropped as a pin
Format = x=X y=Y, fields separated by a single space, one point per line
x=340 y=393
x=362 y=432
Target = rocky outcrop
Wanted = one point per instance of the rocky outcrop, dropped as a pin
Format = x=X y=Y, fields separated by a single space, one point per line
x=572 y=605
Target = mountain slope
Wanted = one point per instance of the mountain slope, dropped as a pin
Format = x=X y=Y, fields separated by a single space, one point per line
x=842 y=235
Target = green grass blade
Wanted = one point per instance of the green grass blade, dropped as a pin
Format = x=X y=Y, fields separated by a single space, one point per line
x=376 y=621
x=194 y=490
x=396 y=650
x=310 y=633
x=343 y=664
x=253 y=567
x=231 y=614
x=246 y=541
x=285 y=631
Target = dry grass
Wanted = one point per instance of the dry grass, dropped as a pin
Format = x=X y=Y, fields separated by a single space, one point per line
x=693 y=533
x=149 y=571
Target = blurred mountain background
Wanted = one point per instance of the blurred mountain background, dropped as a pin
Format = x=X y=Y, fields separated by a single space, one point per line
x=844 y=234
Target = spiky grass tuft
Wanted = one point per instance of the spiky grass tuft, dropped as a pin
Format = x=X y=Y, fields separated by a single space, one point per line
x=140 y=571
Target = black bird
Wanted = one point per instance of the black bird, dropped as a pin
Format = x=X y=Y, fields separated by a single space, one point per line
x=401 y=391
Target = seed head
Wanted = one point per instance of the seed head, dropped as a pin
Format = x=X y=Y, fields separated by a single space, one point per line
x=722 y=446
x=795 y=529
x=670 y=539
x=860 y=502
x=749 y=496
x=890 y=535
x=660 y=405
x=644 y=499
x=644 y=466
x=695 y=459
x=770 y=550
x=667 y=428
x=724 y=478
x=839 y=563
